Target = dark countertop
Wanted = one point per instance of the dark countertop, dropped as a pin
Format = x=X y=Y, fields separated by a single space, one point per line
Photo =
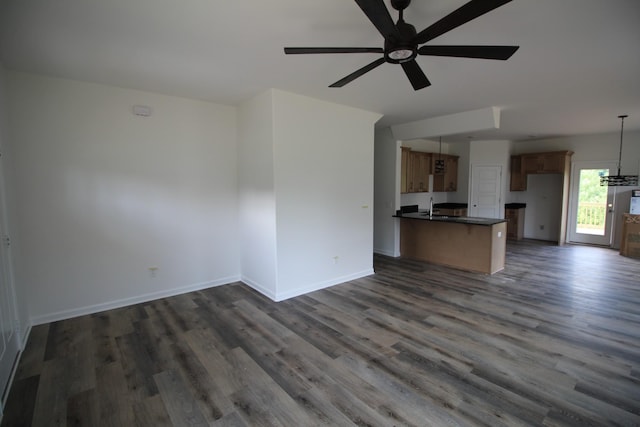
x=515 y=205
x=424 y=216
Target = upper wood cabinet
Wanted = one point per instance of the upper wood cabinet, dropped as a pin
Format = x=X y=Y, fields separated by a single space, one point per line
x=420 y=170
x=553 y=162
x=416 y=168
x=446 y=180
x=537 y=163
x=518 y=181
x=405 y=174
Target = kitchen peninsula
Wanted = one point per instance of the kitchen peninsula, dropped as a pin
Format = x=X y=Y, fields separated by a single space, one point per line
x=473 y=244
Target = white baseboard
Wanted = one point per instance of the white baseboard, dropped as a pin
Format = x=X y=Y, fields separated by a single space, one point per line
x=258 y=287
x=277 y=297
x=96 y=308
x=385 y=252
x=22 y=343
x=25 y=336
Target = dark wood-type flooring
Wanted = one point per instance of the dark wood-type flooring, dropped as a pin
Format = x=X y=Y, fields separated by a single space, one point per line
x=552 y=340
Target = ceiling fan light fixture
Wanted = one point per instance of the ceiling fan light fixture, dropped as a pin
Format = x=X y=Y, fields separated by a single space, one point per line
x=401 y=54
x=619 y=180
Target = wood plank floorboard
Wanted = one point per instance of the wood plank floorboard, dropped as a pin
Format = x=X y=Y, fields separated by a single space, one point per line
x=552 y=340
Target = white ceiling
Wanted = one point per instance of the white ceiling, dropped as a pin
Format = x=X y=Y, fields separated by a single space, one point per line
x=577 y=69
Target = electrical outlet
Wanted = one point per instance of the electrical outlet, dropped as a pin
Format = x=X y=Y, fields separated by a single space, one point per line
x=153 y=271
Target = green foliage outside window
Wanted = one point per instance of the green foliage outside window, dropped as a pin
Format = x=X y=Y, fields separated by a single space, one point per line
x=590 y=189
x=592 y=201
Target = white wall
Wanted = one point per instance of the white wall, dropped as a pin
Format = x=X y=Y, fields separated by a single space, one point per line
x=463 y=151
x=101 y=195
x=386 y=192
x=544 y=207
x=324 y=193
x=257 y=194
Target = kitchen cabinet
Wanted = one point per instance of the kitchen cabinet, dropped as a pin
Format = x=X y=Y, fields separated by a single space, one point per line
x=537 y=163
x=515 y=222
x=630 y=243
x=518 y=179
x=420 y=170
x=417 y=166
x=450 y=209
x=446 y=180
x=405 y=169
x=415 y=171
x=540 y=163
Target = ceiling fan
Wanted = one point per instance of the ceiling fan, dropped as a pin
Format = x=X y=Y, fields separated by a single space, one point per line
x=401 y=41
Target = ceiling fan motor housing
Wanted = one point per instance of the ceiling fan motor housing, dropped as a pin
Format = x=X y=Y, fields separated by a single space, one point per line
x=400 y=4
x=404 y=49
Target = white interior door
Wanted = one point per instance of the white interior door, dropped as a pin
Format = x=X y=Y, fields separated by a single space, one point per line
x=9 y=326
x=9 y=340
x=486 y=192
x=591 y=205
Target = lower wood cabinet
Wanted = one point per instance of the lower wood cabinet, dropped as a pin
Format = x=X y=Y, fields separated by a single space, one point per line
x=515 y=223
x=630 y=243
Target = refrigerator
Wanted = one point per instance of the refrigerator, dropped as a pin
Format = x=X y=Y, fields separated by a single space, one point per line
x=634 y=207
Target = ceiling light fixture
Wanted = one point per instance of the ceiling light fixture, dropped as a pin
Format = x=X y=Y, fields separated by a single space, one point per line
x=619 y=180
x=401 y=54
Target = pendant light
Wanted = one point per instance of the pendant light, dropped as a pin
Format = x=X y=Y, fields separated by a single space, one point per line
x=619 y=180
x=439 y=169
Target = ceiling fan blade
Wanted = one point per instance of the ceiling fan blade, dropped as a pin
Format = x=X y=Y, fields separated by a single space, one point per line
x=299 y=50
x=351 y=77
x=484 y=52
x=416 y=76
x=462 y=15
x=379 y=16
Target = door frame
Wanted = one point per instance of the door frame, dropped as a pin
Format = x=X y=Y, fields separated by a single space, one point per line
x=573 y=203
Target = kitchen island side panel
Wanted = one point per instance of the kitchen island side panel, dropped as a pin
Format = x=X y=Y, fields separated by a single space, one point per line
x=479 y=248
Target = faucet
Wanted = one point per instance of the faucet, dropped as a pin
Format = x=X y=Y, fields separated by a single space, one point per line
x=431 y=208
